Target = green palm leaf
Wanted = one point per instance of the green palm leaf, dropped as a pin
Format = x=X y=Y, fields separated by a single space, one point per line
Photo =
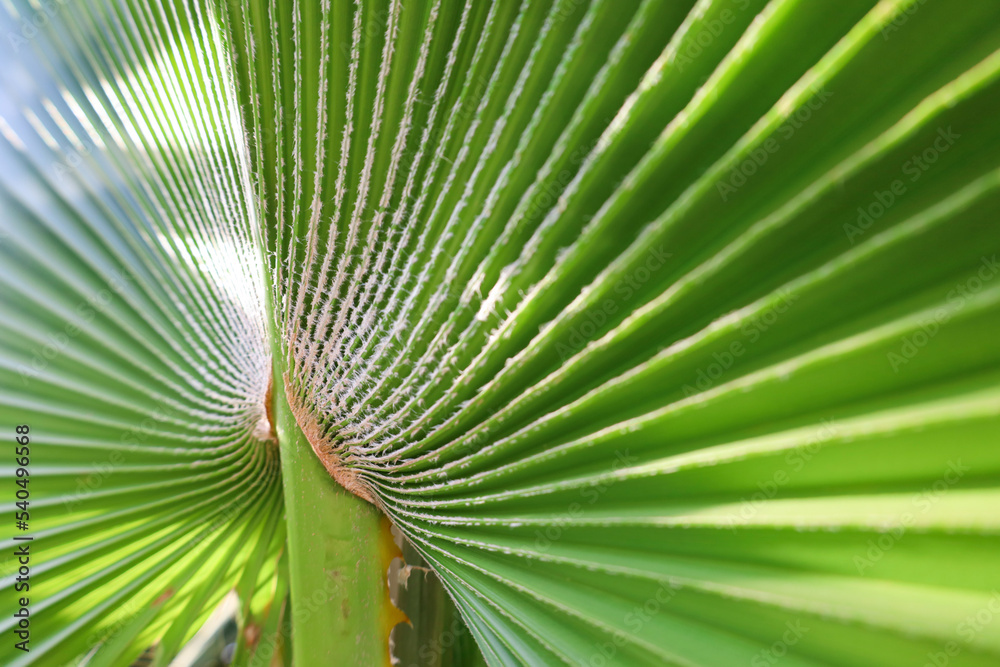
x=133 y=343
x=663 y=331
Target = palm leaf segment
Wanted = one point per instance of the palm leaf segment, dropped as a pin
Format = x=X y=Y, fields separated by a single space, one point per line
x=664 y=331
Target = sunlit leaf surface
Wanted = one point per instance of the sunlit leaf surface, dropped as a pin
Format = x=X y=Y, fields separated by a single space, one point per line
x=666 y=332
